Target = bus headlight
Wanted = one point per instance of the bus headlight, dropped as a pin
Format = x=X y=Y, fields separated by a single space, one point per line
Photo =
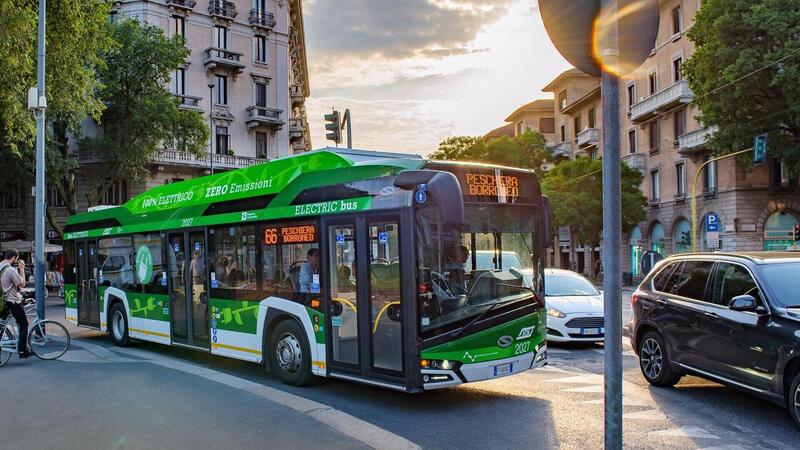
x=552 y=312
x=444 y=365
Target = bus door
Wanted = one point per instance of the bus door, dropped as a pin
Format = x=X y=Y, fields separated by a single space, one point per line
x=88 y=302
x=187 y=269
x=365 y=320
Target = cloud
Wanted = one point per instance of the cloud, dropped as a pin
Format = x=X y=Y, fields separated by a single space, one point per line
x=393 y=29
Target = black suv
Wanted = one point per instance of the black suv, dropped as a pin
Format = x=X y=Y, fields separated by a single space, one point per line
x=731 y=318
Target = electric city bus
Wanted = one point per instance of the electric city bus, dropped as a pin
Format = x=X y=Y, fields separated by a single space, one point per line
x=374 y=267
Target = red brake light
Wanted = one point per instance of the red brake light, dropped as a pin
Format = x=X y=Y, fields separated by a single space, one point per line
x=423 y=288
x=634 y=298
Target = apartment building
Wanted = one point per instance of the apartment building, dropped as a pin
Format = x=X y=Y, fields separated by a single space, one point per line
x=577 y=114
x=253 y=52
x=538 y=116
x=755 y=208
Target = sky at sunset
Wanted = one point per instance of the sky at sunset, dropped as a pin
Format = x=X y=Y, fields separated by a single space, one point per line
x=414 y=72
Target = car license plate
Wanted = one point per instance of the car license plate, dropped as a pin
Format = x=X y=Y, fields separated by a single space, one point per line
x=591 y=331
x=503 y=369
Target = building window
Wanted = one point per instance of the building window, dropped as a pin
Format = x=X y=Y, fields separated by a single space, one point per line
x=655 y=136
x=680 y=179
x=116 y=194
x=562 y=100
x=655 y=182
x=113 y=16
x=220 y=89
x=179 y=26
x=261 y=144
x=220 y=37
x=261 y=94
x=676 y=69
x=632 y=141
x=677 y=25
x=260 y=5
x=547 y=125
x=52 y=198
x=563 y=133
x=222 y=140
x=679 y=124
x=631 y=95
x=591 y=118
x=577 y=123
x=710 y=176
x=261 y=49
x=652 y=81
x=179 y=83
x=593 y=155
x=13 y=197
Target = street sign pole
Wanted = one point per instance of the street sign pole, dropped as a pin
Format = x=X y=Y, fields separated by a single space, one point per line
x=38 y=268
x=612 y=235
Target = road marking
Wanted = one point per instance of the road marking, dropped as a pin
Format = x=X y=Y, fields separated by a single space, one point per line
x=687 y=432
x=626 y=401
x=365 y=432
x=594 y=389
x=96 y=350
x=579 y=379
x=556 y=350
x=649 y=414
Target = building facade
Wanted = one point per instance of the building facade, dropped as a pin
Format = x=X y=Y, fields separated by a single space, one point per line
x=253 y=52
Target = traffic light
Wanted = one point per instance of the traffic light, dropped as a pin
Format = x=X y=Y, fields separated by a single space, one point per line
x=333 y=126
x=760 y=149
x=686 y=238
x=797 y=232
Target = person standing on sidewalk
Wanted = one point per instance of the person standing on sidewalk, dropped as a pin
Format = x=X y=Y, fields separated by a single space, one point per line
x=11 y=281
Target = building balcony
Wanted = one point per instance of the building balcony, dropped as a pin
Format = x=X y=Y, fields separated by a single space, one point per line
x=220 y=57
x=297 y=128
x=636 y=161
x=299 y=146
x=222 y=9
x=695 y=140
x=296 y=94
x=263 y=116
x=562 y=150
x=182 y=159
x=262 y=19
x=185 y=5
x=588 y=137
x=189 y=102
x=665 y=99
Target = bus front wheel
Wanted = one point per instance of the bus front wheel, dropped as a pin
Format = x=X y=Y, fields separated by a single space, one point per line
x=289 y=354
x=118 y=326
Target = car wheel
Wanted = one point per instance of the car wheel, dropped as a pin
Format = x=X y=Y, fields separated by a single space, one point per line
x=289 y=354
x=654 y=361
x=793 y=400
x=118 y=326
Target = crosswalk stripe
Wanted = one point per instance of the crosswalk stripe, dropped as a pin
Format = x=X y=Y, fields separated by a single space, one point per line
x=688 y=432
x=649 y=414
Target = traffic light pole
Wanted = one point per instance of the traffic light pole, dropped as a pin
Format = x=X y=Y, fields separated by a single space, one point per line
x=612 y=238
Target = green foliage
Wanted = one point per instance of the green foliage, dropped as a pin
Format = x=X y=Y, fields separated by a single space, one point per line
x=141 y=114
x=526 y=151
x=575 y=189
x=736 y=38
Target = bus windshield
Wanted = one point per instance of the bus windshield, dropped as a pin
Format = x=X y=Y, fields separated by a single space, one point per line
x=463 y=272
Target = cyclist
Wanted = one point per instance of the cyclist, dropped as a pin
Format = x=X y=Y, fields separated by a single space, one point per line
x=11 y=281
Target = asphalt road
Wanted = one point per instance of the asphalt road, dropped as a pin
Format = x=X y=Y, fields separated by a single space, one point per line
x=153 y=396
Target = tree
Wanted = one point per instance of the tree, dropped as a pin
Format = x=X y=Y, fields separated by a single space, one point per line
x=141 y=114
x=526 y=151
x=575 y=189
x=734 y=40
x=78 y=34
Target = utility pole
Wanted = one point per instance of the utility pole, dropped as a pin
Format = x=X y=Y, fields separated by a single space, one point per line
x=38 y=268
x=346 y=122
x=211 y=122
x=612 y=231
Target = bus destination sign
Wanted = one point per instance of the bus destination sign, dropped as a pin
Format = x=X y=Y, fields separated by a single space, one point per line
x=294 y=234
x=492 y=185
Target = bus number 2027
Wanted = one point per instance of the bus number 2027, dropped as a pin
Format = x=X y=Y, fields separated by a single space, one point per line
x=523 y=347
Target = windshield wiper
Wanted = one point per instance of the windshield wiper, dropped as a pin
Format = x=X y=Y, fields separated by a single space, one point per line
x=494 y=305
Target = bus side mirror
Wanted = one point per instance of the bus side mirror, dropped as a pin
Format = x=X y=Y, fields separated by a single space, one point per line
x=547 y=211
x=336 y=308
x=394 y=313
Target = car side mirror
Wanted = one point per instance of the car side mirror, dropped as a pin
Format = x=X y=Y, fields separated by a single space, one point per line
x=744 y=303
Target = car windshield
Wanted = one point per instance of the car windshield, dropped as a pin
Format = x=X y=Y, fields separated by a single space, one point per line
x=783 y=282
x=463 y=272
x=568 y=285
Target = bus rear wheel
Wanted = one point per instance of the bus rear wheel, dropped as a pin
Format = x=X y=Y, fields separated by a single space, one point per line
x=118 y=326
x=289 y=354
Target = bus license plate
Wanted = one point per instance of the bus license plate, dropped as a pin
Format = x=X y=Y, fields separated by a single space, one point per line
x=503 y=369
x=591 y=331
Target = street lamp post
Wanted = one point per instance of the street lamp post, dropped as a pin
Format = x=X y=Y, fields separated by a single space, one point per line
x=40 y=138
x=211 y=121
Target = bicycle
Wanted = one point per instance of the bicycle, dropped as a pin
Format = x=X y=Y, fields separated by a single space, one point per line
x=47 y=339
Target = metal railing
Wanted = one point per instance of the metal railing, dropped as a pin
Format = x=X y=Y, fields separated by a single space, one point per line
x=181 y=158
x=222 y=9
x=263 y=115
x=676 y=93
x=223 y=55
x=187 y=4
x=261 y=18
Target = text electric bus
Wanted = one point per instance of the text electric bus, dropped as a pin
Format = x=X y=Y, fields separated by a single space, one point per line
x=381 y=268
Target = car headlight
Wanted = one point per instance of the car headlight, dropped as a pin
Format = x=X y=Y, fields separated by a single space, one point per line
x=552 y=312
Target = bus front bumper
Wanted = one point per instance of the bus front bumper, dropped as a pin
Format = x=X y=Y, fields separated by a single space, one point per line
x=488 y=370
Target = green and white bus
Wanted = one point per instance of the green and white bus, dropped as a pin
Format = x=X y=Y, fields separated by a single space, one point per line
x=375 y=267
